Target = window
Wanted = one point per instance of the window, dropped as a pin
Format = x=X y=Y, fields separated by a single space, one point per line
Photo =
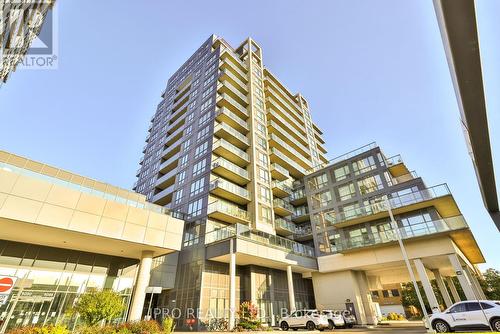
x=202 y=133
x=395 y=292
x=385 y=293
x=265 y=214
x=325 y=198
x=190 y=118
x=178 y=196
x=261 y=128
x=186 y=144
x=188 y=130
x=183 y=161
x=263 y=175
x=194 y=208
x=200 y=150
x=199 y=167
x=262 y=158
x=204 y=119
x=209 y=80
x=192 y=105
x=197 y=186
x=206 y=104
x=370 y=184
x=208 y=91
x=375 y=294
x=318 y=182
x=262 y=143
x=458 y=308
x=265 y=194
x=341 y=173
x=346 y=191
x=181 y=177
x=364 y=165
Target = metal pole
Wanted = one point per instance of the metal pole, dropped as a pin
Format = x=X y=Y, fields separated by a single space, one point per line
x=407 y=262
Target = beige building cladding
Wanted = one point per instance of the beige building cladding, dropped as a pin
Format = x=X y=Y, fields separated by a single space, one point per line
x=357 y=247
x=63 y=234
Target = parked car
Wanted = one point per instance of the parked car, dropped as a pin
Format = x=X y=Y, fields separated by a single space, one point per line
x=349 y=319
x=467 y=315
x=309 y=319
x=335 y=319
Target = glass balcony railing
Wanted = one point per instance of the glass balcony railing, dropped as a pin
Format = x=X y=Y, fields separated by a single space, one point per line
x=396 y=200
x=229 y=186
x=221 y=162
x=234 y=103
x=228 y=209
x=233 y=132
x=278 y=202
x=282 y=185
x=276 y=167
x=288 y=134
x=344 y=156
x=285 y=224
x=230 y=147
x=232 y=116
x=300 y=211
x=224 y=72
x=290 y=149
x=261 y=238
x=406 y=232
x=297 y=194
x=289 y=161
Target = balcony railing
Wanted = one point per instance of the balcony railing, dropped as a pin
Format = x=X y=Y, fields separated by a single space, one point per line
x=278 y=202
x=297 y=194
x=229 y=186
x=221 y=162
x=285 y=224
x=232 y=116
x=282 y=185
x=305 y=161
x=279 y=169
x=230 y=147
x=289 y=161
x=344 y=156
x=228 y=209
x=396 y=201
x=261 y=238
x=233 y=132
x=406 y=232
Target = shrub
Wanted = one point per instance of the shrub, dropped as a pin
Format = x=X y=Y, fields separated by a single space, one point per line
x=168 y=325
x=40 y=330
x=96 y=306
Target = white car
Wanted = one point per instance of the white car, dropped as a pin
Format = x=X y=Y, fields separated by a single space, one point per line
x=335 y=319
x=468 y=315
x=309 y=319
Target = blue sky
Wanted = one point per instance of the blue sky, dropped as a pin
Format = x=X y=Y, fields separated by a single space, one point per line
x=371 y=71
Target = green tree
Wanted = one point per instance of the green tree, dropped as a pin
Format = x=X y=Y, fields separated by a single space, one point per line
x=96 y=306
x=409 y=296
x=490 y=283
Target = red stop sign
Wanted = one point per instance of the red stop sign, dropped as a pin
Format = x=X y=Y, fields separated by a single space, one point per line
x=6 y=283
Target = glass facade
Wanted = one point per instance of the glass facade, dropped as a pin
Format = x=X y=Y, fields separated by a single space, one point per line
x=49 y=281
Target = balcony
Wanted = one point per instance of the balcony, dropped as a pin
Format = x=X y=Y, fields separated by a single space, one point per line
x=293 y=110
x=396 y=166
x=228 y=117
x=298 y=197
x=293 y=168
x=174 y=136
x=229 y=191
x=177 y=121
x=227 y=212
x=224 y=100
x=171 y=150
x=176 y=106
x=303 y=232
x=166 y=180
x=227 y=88
x=284 y=227
x=281 y=188
x=222 y=130
x=227 y=76
x=438 y=197
x=420 y=230
x=275 y=141
x=241 y=76
x=345 y=156
x=286 y=135
x=277 y=115
x=403 y=178
x=170 y=163
x=279 y=173
x=262 y=238
x=230 y=152
x=230 y=171
x=300 y=214
x=282 y=208
x=164 y=197
x=227 y=55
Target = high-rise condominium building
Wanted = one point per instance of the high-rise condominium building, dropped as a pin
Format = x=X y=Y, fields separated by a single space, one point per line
x=226 y=147
x=268 y=218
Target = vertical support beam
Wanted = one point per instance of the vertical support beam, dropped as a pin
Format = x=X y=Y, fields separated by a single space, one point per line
x=291 y=292
x=462 y=278
x=232 y=286
x=426 y=284
x=453 y=289
x=253 y=287
x=141 y=284
x=271 y=296
x=475 y=283
x=442 y=287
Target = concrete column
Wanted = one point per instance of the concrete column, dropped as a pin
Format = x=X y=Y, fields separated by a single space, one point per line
x=253 y=287
x=453 y=289
x=426 y=284
x=232 y=288
x=142 y=282
x=366 y=298
x=271 y=296
x=475 y=283
x=291 y=292
x=442 y=287
x=462 y=278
